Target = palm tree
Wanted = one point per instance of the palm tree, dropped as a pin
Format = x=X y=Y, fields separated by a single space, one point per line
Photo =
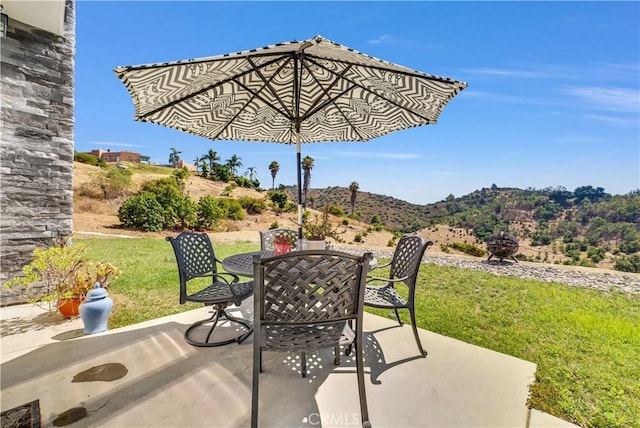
x=174 y=157
x=204 y=167
x=353 y=188
x=234 y=162
x=196 y=163
x=212 y=157
x=307 y=166
x=252 y=172
x=274 y=167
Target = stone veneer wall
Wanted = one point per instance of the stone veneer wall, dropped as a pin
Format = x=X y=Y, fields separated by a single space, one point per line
x=37 y=142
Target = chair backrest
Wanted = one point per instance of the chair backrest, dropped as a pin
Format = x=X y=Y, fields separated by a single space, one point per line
x=309 y=287
x=407 y=258
x=267 y=237
x=195 y=257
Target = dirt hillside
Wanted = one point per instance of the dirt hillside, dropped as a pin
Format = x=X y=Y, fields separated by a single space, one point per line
x=98 y=217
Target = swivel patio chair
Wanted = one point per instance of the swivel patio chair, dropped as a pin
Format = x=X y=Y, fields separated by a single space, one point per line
x=306 y=301
x=196 y=259
x=405 y=264
x=267 y=237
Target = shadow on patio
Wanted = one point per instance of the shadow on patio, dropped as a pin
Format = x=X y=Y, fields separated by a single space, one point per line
x=170 y=383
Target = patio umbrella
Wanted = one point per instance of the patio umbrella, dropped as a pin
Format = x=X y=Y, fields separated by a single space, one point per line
x=292 y=93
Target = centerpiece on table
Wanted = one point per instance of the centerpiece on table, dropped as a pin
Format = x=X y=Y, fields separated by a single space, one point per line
x=283 y=243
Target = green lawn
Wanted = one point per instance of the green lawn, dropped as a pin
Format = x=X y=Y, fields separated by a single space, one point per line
x=586 y=343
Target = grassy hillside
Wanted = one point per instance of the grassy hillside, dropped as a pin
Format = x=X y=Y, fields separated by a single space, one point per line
x=586 y=227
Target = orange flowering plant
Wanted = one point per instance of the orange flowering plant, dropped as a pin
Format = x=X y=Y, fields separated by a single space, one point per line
x=62 y=271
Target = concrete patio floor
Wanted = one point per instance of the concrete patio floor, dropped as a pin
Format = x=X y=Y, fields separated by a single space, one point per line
x=164 y=382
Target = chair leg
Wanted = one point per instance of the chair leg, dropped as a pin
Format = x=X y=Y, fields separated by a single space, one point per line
x=412 y=314
x=398 y=317
x=303 y=363
x=257 y=368
x=218 y=312
x=336 y=355
x=361 y=386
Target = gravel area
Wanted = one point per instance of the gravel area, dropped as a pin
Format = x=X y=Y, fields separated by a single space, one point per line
x=570 y=275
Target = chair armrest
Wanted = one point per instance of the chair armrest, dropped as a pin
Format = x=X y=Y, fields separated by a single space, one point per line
x=380 y=266
x=227 y=278
x=389 y=281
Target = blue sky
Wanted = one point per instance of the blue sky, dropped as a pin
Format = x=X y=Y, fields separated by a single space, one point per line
x=553 y=97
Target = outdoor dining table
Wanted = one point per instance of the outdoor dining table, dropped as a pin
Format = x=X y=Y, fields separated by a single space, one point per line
x=242 y=264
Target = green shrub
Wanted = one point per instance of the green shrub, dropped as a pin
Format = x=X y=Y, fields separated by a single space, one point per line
x=209 y=213
x=628 y=263
x=142 y=212
x=168 y=195
x=115 y=182
x=231 y=209
x=468 y=249
x=180 y=175
x=358 y=238
x=336 y=211
x=279 y=199
x=244 y=182
x=253 y=205
x=184 y=212
x=290 y=207
x=220 y=173
x=89 y=159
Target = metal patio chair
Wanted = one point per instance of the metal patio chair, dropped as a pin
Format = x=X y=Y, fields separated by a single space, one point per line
x=267 y=237
x=196 y=259
x=306 y=301
x=405 y=264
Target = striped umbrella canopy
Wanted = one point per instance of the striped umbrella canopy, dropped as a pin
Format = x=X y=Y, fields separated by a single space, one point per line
x=293 y=92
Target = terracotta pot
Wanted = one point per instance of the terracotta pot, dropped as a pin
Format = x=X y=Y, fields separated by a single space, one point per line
x=69 y=307
x=281 y=247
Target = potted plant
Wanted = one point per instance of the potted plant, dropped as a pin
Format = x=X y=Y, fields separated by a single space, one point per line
x=283 y=243
x=317 y=230
x=61 y=276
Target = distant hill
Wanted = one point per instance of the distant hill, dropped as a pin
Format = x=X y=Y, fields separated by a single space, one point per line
x=586 y=224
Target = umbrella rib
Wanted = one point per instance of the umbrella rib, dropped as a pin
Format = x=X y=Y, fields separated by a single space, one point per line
x=317 y=106
x=200 y=91
x=267 y=83
x=370 y=91
x=256 y=94
x=408 y=72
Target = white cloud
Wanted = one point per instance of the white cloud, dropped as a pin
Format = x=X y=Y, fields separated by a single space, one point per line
x=614 y=99
x=504 y=72
x=378 y=155
x=101 y=144
x=379 y=40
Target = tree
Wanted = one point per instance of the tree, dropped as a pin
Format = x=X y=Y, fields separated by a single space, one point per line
x=353 y=188
x=196 y=163
x=307 y=166
x=174 y=157
x=204 y=167
x=274 y=167
x=252 y=172
x=591 y=193
x=234 y=162
x=212 y=157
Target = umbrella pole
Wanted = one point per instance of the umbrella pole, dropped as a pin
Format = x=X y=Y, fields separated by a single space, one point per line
x=299 y=184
